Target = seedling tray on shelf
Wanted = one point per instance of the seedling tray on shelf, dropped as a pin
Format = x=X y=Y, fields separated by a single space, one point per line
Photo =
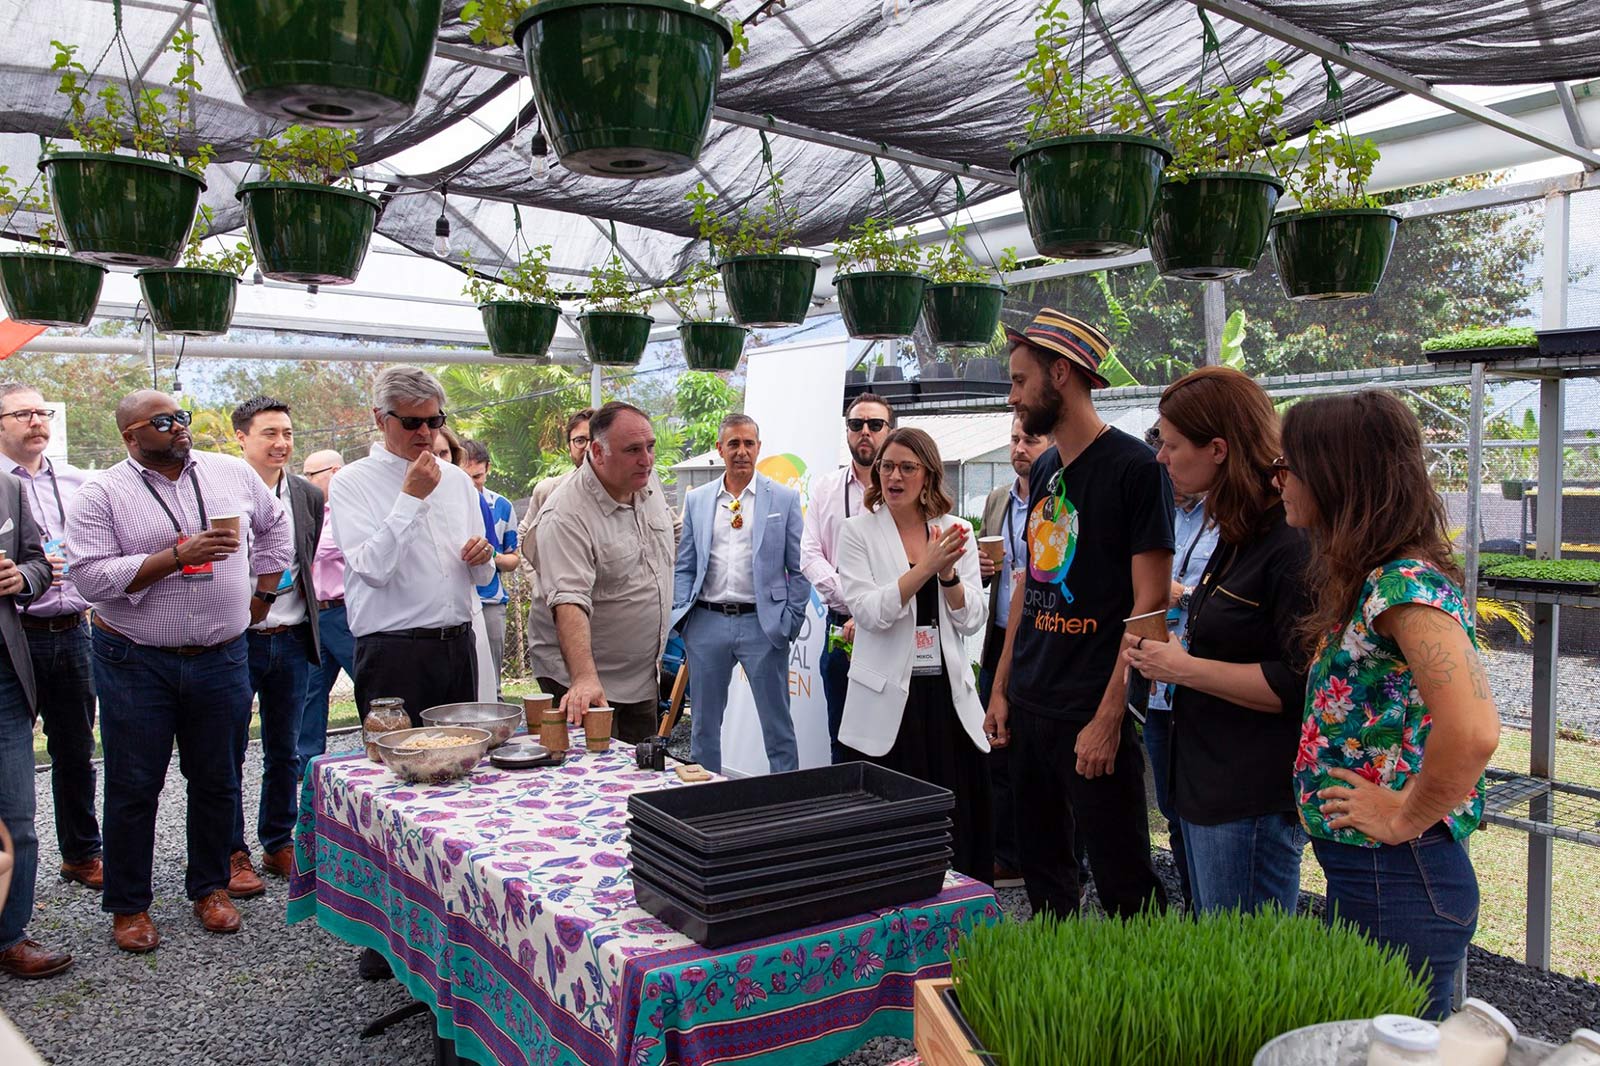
x=1490 y=582
x=857 y=866
x=800 y=806
x=1582 y=340
x=785 y=916
x=926 y=834
x=1481 y=355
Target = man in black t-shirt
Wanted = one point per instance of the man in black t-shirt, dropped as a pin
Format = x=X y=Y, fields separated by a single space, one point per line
x=1099 y=551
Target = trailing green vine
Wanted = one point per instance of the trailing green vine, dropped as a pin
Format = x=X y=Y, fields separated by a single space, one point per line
x=611 y=291
x=235 y=260
x=113 y=116
x=492 y=22
x=525 y=281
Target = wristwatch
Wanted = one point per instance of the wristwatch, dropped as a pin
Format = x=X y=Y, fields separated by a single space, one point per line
x=1185 y=599
x=267 y=598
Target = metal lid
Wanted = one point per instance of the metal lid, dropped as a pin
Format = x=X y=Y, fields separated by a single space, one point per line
x=1490 y=1012
x=1401 y=1031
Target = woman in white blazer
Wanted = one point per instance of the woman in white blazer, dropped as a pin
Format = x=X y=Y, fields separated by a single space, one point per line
x=911 y=579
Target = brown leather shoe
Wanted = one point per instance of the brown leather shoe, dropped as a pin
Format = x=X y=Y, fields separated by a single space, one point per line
x=90 y=873
x=280 y=862
x=217 y=912
x=29 y=960
x=243 y=881
x=135 y=932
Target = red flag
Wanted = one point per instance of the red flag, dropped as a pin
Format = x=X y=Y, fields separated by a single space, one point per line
x=14 y=335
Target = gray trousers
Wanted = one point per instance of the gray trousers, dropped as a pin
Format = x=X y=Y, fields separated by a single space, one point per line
x=713 y=643
x=494 y=624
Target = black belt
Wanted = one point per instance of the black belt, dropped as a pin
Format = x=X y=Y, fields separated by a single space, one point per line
x=733 y=610
x=187 y=650
x=60 y=623
x=446 y=633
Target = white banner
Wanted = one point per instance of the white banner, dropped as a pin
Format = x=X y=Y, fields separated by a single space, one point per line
x=795 y=393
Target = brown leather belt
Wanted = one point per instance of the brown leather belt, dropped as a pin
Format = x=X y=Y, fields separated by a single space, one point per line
x=323 y=605
x=189 y=650
x=271 y=631
x=60 y=623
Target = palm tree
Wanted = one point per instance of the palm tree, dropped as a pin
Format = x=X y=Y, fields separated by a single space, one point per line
x=520 y=415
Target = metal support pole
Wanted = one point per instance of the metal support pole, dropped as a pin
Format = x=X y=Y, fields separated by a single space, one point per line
x=594 y=386
x=1215 y=305
x=147 y=342
x=1471 y=541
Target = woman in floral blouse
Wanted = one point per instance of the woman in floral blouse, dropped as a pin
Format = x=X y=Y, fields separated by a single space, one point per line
x=1399 y=721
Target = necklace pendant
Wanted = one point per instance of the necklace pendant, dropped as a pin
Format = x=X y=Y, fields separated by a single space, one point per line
x=738 y=521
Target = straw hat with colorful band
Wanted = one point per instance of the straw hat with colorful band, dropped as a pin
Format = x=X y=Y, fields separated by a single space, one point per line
x=1068 y=337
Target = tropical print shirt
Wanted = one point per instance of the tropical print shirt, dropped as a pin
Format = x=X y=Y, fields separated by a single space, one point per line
x=1363 y=711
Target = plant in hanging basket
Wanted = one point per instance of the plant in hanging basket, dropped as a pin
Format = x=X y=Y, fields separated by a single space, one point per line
x=709 y=342
x=1337 y=245
x=962 y=302
x=879 y=281
x=197 y=298
x=1216 y=202
x=624 y=87
x=519 y=307
x=1088 y=172
x=766 y=286
x=614 y=321
x=328 y=62
x=131 y=210
x=41 y=285
x=307 y=223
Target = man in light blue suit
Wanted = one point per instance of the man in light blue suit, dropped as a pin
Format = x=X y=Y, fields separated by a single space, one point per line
x=738 y=595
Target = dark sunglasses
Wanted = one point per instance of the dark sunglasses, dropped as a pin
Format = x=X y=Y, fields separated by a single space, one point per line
x=163 y=423
x=856 y=425
x=412 y=423
x=1281 y=468
x=323 y=470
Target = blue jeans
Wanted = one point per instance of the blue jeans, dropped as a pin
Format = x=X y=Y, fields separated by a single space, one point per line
x=17 y=805
x=66 y=706
x=1245 y=864
x=1421 y=897
x=338 y=653
x=278 y=669
x=1158 y=745
x=835 y=667
x=150 y=698
x=713 y=643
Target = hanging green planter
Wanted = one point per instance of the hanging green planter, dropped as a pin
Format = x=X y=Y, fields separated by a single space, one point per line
x=624 y=87
x=964 y=312
x=328 y=62
x=1333 y=255
x=615 y=338
x=189 y=302
x=519 y=330
x=49 y=290
x=769 y=290
x=121 y=209
x=880 y=304
x=712 y=345
x=1091 y=195
x=308 y=234
x=1214 y=225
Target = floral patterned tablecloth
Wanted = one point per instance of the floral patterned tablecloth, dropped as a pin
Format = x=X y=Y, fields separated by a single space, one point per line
x=504 y=901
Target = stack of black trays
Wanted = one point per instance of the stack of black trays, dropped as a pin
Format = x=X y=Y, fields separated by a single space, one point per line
x=733 y=861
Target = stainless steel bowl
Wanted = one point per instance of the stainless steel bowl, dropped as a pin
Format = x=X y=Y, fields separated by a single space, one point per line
x=498 y=718
x=433 y=766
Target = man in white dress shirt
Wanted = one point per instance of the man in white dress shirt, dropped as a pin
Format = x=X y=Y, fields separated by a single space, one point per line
x=411 y=532
x=835 y=497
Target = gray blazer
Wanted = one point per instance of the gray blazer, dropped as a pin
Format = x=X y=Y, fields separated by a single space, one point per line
x=307 y=501
x=19 y=536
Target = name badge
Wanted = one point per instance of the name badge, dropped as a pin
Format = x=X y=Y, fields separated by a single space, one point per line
x=202 y=572
x=286 y=582
x=925 y=658
x=58 y=547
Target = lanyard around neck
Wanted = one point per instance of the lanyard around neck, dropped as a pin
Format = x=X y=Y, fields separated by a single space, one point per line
x=33 y=484
x=200 y=501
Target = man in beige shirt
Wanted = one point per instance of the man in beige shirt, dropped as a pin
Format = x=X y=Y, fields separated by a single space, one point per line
x=606 y=542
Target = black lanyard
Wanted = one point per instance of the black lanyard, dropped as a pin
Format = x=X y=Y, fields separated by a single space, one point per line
x=1011 y=535
x=1194 y=543
x=33 y=486
x=200 y=501
x=849 y=476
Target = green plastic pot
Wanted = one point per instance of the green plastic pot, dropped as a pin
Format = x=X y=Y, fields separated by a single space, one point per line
x=963 y=312
x=308 y=234
x=712 y=345
x=189 y=302
x=1091 y=195
x=49 y=290
x=328 y=62
x=769 y=290
x=624 y=87
x=1333 y=255
x=519 y=330
x=615 y=338
x=1214 y=225
x=880 y=304
x=120 y=209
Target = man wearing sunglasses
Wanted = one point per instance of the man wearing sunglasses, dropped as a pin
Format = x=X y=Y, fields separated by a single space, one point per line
x=835 y=497
x=153 y=543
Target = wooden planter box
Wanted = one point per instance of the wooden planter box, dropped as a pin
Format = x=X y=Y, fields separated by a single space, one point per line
x=941 y=1033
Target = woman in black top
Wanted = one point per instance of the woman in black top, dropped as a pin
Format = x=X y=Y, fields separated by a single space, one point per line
x=1238 y=676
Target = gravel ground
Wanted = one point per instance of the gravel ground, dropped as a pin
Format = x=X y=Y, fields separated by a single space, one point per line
x=278 y=994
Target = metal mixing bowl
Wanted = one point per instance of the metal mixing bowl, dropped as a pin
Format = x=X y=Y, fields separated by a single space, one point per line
x=498 y=718
x=433 y=766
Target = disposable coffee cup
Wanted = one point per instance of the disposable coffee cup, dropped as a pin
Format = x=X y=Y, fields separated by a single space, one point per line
x=226 y=521
x=1151 y=626
x=533 y=708
x=597 y=728
x=994 y=548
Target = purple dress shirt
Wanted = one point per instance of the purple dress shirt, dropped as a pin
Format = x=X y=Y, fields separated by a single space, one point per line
x=50 y=495
x=327 y=567
x=116 y=522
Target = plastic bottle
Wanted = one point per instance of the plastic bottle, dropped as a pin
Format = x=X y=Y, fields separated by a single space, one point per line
x=1582 y=1050
x=1397 y=1040
x=1476 y=1035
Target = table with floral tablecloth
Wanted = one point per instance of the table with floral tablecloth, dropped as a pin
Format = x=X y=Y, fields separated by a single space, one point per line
x=503 y=901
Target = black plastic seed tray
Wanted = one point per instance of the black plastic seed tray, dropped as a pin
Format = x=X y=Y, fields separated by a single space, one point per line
x=797 y=886
x=1581 y=340
x=798 y=807
x=1480 y=355
x=785 y=916
x=929 y=834
x=840 y=866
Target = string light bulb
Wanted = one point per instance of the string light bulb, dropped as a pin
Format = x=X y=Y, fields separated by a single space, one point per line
x=256 y=278
x=539 y=149
x=441 y=228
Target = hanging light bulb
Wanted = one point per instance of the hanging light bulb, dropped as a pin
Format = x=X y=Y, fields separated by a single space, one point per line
x=539 y=148
x=895 y=12
x=256 y=278
x=311 y=297
x=441 y=228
